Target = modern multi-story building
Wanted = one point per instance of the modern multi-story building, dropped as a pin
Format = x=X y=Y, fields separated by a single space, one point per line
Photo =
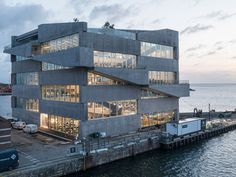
x=70 y=79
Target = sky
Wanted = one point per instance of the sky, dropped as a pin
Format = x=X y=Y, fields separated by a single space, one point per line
x=207 y=28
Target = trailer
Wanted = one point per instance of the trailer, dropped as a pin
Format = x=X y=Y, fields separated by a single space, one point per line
x=186 y=126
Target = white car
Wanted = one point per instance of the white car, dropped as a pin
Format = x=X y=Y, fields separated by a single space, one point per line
x=31 y=128
x=18 y=125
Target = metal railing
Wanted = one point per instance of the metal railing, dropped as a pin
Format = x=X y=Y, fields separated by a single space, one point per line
x=161 y=82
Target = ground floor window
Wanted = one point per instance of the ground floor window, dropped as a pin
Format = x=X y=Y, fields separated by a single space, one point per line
x=111 y=108
x=156 y=118
x=61 y=124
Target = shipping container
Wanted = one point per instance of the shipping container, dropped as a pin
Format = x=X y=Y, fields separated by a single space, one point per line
x=186 y=126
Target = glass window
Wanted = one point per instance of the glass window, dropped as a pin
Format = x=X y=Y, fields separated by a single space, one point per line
x=61 y=124
x=58 y=44
x=27 y=78
x=157 y=50
x=147 y=94
x=111 y=108
x=28 y=104
x=156 y=118
x=67 y=93
x=115 y=60
x=49 y=66
x=96 y=79
x=20 y=58
x=161 y=77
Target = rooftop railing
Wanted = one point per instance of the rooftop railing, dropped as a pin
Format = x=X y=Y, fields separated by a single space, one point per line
x=168 y=82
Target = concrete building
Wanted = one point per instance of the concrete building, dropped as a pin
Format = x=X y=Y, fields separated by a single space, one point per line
x=71 y=79
x=5 y=134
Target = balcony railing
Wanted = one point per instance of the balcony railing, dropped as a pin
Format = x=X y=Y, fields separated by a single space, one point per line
x=170 y=82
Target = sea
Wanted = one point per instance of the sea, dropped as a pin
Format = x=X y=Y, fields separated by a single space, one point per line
x=215 y=157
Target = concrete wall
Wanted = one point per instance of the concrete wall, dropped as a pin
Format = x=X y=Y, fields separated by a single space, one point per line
x=66 y=109
x=75 y=76
x=136 y=76
x=47 y=32
x=26 y=66
x=78 y=56
x=176 y=90
x=113 y=126
x=158 y=64
x=157 y=105
x=27 y=116
x=26 y=91
x=109 y=43
x=98 y=93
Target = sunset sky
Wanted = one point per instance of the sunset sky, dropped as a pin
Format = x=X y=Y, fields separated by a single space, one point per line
x=207 y=28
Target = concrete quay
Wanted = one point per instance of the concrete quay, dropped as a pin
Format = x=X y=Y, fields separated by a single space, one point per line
x=54 y=158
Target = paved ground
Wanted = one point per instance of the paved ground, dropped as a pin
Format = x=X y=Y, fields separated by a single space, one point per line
x=35 y=148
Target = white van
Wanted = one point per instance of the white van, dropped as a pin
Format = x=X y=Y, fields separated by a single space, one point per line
x=30 y=128
x=18 y=125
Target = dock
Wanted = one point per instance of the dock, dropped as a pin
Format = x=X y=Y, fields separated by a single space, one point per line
x=170 y=144
x=72 y=158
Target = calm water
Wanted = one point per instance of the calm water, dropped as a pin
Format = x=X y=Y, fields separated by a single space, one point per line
x=212 y=158
x=221 y=97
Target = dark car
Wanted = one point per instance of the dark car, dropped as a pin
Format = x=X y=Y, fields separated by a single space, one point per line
x=9 y=159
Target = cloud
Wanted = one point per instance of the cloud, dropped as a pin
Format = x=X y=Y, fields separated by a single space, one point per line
x=234 y=57
x=195 y=29
x=16 y=19
x=200 y=46
x=20 y=15
x=113 y=13
x=219 y=15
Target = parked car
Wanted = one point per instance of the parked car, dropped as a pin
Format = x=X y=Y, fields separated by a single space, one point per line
x=9 y=160
x=18 y=125
x=31 y=128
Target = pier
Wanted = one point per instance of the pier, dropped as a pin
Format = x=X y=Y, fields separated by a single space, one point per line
x=93 y=152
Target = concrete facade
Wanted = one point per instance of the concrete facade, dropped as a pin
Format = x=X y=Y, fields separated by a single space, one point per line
x=79 y=60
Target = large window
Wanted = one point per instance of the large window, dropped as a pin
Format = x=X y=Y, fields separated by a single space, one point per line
x=49 y=66
x=20 y=58
x=147 y=94
x=58 y=44
x=67 y=93
x=27 y=78
x=61 y=124
x=27 y=104
x=156 y=118
x=161 y=77
x=95 y=79
x=157 y=50
x=111 y=108
x=115 y=60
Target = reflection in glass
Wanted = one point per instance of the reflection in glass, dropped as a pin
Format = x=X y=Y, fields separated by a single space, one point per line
x=58 y=44
x=20 y=58
x=27 y=78
x=111 y=108
x=67 y=93
x=28 y=104
x=61 y=124
x=114 y=60
x=157 y=50
x=49 y=66
x=96 y=79
x=147 y=94
x=156 y=118
x=161 y=77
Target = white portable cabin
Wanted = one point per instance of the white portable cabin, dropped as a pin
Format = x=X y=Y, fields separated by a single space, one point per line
x=186 y=126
